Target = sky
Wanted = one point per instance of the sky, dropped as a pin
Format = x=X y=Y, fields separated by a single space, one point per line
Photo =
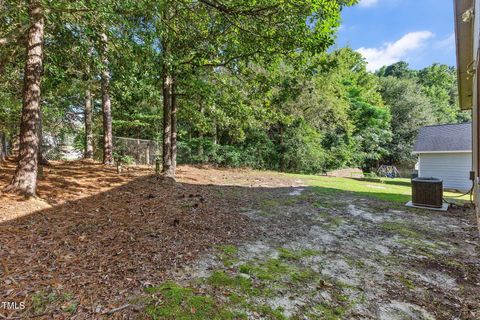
x=420 y=32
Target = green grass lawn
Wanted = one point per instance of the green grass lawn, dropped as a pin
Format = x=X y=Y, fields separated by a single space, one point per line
x=395 y=190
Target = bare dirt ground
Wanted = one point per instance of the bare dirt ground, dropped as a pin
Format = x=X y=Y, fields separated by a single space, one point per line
x=246 y=244
x=344 y=257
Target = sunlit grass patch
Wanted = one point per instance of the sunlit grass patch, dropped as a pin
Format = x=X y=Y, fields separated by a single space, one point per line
x=393 y=190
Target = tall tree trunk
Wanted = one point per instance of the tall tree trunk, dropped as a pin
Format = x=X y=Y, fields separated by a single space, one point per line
x=25 y=177
x=88 y=154
x=3 y=146
x=174 y=126
x=14 y=143
x=41 y=159
x=106 y=105
x=167 y=122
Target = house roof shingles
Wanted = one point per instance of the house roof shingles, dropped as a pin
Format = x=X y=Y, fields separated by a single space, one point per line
x=444 y=138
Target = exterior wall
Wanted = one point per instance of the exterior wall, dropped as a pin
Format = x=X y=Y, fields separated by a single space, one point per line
x=476 y=112
x=476 y=147
x=453 y=168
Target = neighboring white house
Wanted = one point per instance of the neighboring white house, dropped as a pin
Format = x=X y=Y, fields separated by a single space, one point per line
x=445 y=152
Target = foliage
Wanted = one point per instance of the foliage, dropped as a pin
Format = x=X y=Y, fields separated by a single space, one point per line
x=254 y=84
x=304 y=113
x=418 y=98
x=439 y=83
x=410 y=110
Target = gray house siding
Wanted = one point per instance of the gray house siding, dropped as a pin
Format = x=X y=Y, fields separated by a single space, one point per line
x=453 y=168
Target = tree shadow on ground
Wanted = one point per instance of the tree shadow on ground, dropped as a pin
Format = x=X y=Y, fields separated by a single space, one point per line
x=103 y=249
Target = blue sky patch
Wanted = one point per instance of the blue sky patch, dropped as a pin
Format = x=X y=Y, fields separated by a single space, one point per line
x=420 y=32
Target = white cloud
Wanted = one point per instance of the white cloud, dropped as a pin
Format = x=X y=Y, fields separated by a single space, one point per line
x=393 y=52
x=367 y=3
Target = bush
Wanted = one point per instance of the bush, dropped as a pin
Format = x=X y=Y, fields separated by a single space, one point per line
x=258 y=152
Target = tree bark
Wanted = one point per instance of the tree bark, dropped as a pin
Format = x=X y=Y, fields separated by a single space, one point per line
x=174 y=127
x=25 y=177
x=88 y=154
x=15 y=143
x=42 y=161
x=106 y=105
x=3 y=146
x=167 y=122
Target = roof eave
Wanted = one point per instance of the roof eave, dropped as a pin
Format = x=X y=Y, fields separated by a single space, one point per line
x=444 y=151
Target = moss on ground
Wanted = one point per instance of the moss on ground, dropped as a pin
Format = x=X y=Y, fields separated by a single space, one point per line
x=400 y=229
x=356 y=263
x=236 y=292
x=287 y=254
x=302 y=276
x=42 y=301
x=177 y=302
x=269 y=205
x=221 y=279
x=228 y=255
x=327 y=311
x=269 y=270
x=406 y=282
